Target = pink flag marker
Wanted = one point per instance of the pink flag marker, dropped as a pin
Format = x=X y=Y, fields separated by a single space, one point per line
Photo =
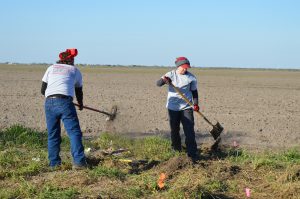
x=247 y=190
x=235 y=144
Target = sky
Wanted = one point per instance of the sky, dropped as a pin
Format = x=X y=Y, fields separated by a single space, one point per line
x=214 y=33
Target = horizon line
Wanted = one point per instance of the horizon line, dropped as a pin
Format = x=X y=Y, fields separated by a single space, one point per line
x=157 y=66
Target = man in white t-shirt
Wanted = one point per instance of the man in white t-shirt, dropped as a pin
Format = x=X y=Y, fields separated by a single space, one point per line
x=59 y=83
x=178 y=110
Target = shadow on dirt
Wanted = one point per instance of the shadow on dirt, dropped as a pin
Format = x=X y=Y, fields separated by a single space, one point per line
x=205 y=142
x=220 y=153
x=214 y=196
x=201 y=136
x=139 y=166
x=210 y=150
x=93 y=161
x=98 y=157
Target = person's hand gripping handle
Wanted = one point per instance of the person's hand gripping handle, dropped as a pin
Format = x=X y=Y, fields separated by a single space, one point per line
x=167 y=80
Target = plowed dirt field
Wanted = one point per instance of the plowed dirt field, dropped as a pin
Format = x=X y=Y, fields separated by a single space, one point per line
x=259 y=109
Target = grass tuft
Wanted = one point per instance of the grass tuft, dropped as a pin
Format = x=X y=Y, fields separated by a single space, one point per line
x=56 y=192
x=19 y=135
x=154 y=148
x=108 y=172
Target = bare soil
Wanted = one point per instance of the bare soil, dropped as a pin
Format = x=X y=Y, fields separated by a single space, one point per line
x=260 y=109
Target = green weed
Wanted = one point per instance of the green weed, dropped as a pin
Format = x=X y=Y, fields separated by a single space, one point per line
x=133 y=192
x=154 y=148
x=266 y=159
x=108 y=172
x=25 y=189
x=216 y=186
x=56 y=192
x=23 y=151
x=109 y=140
x=147 y=182
x=21 y=162
x=18 y=135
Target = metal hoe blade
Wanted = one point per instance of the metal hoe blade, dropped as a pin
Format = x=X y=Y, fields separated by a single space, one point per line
x=112 y=114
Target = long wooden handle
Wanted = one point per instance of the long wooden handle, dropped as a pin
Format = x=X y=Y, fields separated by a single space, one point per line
x=92 y=109
x=189 y=102
x=182 y=95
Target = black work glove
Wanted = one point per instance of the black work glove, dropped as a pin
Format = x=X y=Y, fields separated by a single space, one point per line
x=167 y=80
x=80 y=107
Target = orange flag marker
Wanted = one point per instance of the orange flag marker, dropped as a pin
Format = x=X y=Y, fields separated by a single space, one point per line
x=161 y=180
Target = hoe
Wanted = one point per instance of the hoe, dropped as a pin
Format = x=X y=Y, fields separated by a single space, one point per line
x=217 y=128
x=111 y=115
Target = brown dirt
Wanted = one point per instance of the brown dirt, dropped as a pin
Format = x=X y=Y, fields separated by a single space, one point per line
x=174 y=165
x=259 y=109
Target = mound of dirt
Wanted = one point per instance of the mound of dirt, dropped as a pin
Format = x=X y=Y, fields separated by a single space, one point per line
x=174 y=165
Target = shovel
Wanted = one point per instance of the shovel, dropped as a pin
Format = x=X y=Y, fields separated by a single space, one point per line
x=217 y=128
x=111 y=115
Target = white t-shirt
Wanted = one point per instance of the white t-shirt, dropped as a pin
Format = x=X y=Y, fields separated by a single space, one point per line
x=62 y=79
x=186 y=84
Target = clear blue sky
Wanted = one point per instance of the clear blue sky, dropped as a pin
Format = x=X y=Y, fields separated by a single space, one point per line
x=228 y=33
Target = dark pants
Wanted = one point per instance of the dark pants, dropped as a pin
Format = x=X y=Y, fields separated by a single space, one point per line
x=186 y=117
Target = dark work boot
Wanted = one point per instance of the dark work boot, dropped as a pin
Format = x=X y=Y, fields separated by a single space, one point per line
x=79 y=167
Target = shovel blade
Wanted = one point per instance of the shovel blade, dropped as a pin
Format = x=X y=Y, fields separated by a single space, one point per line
x=217 y=130
x=215 y=146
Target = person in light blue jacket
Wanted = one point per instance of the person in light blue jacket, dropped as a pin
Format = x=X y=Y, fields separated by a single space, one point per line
x=178 y=110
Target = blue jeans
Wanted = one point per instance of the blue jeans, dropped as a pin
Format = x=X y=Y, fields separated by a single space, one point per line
x=186 y=117
x=57 y=109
